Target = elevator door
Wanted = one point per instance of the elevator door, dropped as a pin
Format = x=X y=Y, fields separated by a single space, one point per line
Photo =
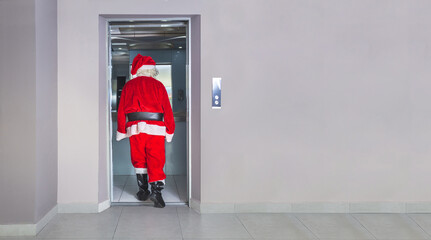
x=167 y=46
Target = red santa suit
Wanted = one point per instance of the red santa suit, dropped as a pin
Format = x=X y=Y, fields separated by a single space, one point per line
x=147 y=137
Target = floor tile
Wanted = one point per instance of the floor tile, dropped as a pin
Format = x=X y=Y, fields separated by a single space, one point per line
x=144 y=238
x=217 y=238
x=16 y=238
x=423 y=220
x=80 y=238
x=391 y=226
x=170 y=193
x=82 y=225
x=147 y=210
x=145 y=222
x=176 y=222
x=185 y=209
x=334 y=226
x=274 y=226
x=129 y=194
x=117 y=191
x=195 y=225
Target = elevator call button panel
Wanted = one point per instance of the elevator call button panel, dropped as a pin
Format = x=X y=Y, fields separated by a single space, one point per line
x=216 y=97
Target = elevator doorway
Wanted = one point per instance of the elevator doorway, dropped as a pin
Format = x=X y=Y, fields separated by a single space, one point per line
x=166 y=41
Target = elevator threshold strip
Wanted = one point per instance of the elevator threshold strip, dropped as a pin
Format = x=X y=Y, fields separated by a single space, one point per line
x=147 y=204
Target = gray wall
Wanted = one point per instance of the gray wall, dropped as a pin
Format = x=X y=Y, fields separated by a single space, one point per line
x=195 y=118
x=345 y=84
x=103 y=177
x=46 y=106
x=28 y=110
x=17 y=111
x=323 y=101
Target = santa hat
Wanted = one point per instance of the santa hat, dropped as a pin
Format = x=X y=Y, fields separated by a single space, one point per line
x=145 y=62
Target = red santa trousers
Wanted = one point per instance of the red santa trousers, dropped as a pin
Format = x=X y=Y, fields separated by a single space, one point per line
x=148 y=151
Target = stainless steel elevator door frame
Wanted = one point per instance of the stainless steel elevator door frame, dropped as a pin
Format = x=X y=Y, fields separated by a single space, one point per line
x=187 y=97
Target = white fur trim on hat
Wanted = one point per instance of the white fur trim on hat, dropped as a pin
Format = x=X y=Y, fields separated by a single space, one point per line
x=147 y=67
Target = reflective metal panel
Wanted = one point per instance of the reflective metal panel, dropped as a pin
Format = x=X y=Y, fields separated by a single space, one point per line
x=216 y=97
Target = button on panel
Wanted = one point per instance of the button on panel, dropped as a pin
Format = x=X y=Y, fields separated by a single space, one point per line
x=216 y=94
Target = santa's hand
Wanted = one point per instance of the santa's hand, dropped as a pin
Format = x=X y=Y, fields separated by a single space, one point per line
x=121 y=136
x=169 y=137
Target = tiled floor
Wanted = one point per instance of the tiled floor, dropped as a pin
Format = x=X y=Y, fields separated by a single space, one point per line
x=125 y=188
x=180 y=222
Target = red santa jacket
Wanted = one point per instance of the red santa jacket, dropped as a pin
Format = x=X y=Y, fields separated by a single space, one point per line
x=145 y=94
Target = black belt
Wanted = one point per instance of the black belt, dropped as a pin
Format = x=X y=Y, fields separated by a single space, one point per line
x=135 y=116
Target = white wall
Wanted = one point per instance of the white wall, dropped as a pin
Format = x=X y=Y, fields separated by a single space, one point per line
x=78 y=97
x=323 y=101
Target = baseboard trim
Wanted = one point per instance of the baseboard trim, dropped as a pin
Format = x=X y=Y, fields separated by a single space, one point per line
x=263 y=207
x=320 y=207
x=83 y=207
x=104 y=205
x=46 y=219
x=377 y=207
x=195 y=205
x=11 y=230
x=418 y=207
x=313 y=207
x=18 y=230
x=78 y=207
x=217 y=207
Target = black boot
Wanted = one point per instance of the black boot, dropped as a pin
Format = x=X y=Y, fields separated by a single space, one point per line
x=143 y=193
x=156 y=194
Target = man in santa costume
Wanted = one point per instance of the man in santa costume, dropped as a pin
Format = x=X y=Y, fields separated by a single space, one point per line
x=145 y=117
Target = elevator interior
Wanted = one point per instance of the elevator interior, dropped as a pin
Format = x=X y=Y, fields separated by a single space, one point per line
x=166 y=42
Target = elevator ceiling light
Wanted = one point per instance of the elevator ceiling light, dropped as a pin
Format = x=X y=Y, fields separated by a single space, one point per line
x=138 y=35
x=150 y=25
x=115 y=30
